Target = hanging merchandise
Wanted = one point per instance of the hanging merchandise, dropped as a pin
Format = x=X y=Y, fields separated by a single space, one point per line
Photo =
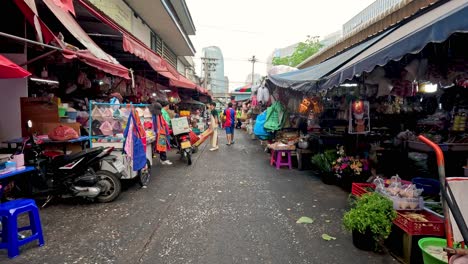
x=304 y=106
x=359 y=121
x=263 y=95
x=276 y=117
x=259 y=129
x=138 y=153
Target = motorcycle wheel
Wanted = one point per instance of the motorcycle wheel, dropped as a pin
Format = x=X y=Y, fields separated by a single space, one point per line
x=194 y=149
x=189 y=157
x=144 y=174
x=111 y=185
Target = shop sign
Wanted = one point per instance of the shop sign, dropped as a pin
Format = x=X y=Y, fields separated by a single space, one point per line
x=117 y=10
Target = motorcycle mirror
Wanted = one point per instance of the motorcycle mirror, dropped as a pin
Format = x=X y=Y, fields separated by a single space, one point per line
x=30 y=124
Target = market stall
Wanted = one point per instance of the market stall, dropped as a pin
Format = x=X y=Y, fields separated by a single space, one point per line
x=120 y=126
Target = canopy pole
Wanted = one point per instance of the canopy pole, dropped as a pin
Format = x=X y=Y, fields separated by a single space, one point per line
x=3 y=34
x=38 y=58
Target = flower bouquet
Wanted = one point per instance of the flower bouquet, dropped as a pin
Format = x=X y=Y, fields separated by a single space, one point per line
x=349 y=169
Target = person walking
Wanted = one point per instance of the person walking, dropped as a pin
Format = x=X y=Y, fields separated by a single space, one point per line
x=161 y=129
x=214 y=123
x=230 y=116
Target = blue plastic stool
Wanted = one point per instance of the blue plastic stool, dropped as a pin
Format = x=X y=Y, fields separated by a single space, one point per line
x=9 y=212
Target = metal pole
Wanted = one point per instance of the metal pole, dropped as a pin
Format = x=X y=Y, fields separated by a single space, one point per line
x=38 y=58
x=3 y=34
x=253 y=60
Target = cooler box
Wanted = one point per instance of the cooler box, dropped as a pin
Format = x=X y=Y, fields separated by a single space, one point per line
x=180 y=125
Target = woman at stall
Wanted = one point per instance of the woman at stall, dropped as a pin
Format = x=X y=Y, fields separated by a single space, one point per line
x=161 y=129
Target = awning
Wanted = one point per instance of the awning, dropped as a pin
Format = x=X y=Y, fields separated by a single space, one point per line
x=134 y=46
x=434 y=26
x=305 y=79
x=182 y=82
x=75 y=29
x=85 y=56
x=9 y=70
x=244 y=89
x=241 y=97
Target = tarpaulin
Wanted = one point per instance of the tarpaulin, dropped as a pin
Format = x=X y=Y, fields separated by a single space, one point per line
x=28 y=8
x=84 y=55
x=66 y=5
x=9 y=70
x=75 y=29
x=435 y=26
x=306 y=79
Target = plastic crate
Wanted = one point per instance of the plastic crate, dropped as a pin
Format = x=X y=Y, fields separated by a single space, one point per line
x=433 y=227
x=359 y=189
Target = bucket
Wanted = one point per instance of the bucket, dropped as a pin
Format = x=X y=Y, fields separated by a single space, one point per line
x=62 y=111
x=72 y=115
x=431 y=241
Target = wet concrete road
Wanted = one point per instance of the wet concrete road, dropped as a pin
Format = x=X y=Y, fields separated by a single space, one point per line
x=230 y=206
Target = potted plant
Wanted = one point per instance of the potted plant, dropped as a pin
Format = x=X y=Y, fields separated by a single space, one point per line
x=370 y=220
x=323 y=163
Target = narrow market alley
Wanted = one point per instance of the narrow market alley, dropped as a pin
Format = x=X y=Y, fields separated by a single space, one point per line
x=230 y=206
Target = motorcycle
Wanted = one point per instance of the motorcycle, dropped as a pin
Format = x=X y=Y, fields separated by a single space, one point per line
x=75 y=175
x=185 y=147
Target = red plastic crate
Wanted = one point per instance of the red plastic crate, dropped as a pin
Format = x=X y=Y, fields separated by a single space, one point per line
x=433 y=227
x=359 y=189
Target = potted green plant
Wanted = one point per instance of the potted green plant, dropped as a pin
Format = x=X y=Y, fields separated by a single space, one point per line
x=370 y=220
x=323 y=163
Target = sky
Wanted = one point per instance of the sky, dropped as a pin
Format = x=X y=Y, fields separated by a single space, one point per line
x=243 y=28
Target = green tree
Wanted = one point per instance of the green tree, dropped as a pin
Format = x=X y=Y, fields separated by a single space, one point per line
x=303 y=51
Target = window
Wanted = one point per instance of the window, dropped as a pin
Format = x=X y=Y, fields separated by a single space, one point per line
x=156 y=43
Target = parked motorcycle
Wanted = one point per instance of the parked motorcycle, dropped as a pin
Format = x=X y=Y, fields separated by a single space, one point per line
x=75 y=175
x=185 y=147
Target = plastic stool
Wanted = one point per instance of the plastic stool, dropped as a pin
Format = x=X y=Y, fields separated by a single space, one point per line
x=9 y=212
x=278 y=159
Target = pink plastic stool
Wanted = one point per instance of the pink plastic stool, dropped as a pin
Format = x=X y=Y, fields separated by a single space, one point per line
x=278 y=160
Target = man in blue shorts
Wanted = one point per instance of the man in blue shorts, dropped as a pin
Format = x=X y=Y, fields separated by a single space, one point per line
x=229 y=124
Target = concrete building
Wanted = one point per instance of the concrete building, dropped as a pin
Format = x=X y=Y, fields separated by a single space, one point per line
x=215 y=72
x=163 y=25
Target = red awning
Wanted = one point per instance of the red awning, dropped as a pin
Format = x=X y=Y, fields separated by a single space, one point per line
x=134 y=46
x=183 y=83
x=88 y=58
x=66 y=5
x=43 y=33
x=85 y=56
x=9 y=70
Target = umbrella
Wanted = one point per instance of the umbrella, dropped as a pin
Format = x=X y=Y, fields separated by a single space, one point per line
x=9 y=70
x=244 y=89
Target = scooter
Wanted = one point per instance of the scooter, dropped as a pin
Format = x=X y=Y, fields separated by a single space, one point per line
x=185 y=147
x=75 y=175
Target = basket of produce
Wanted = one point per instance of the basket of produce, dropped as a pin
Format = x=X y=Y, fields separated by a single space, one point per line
x=420 y=223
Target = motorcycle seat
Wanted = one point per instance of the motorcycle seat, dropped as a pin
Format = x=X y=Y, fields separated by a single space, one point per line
x=78 y=155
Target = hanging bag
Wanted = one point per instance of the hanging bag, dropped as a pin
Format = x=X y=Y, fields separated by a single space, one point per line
x=96 y=114
x=161 y=139
x=106 y=128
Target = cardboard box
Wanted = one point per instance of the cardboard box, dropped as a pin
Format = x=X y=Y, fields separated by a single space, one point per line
x=180 y=125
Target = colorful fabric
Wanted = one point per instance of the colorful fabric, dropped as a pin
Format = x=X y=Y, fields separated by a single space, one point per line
x=230 y=115
x=275 y=117
x=134 y=145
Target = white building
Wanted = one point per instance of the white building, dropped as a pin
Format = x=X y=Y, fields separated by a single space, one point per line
x=215 y=71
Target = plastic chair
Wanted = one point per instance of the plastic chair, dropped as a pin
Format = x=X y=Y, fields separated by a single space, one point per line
x=9 y=213
x=276 y=158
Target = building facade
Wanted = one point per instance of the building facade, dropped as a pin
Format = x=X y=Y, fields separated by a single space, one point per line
x=164 y=26
x=213 y=71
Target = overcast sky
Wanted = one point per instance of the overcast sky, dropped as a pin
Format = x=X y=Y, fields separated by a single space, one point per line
x=243 y=28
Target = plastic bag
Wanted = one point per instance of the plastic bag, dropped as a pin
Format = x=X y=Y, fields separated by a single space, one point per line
x=63 y=133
